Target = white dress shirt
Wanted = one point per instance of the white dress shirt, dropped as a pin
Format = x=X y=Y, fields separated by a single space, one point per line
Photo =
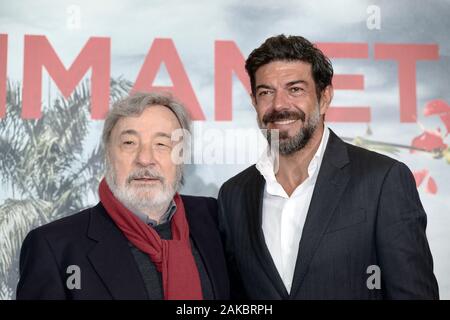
x=283 y=216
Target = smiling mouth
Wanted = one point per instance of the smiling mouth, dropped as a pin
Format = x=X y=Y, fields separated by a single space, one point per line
x=284 y=122
x=281 y=123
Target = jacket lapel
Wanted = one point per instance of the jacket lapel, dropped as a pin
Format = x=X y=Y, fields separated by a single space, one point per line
x=199 y=231
x=254 y=212
x=112 y=259
x=330 y=185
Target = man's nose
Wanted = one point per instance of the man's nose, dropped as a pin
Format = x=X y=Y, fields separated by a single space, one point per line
x=280 y=101
x=145 y=156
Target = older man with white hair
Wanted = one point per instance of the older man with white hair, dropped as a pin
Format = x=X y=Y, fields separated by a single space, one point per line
x=143 y=240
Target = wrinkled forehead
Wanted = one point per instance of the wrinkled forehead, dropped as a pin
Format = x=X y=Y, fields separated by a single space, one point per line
x=155 y=120
x=284 y=69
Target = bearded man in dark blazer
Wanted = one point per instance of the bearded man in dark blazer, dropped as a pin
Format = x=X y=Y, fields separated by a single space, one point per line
x=317 y=218
x=142 y=240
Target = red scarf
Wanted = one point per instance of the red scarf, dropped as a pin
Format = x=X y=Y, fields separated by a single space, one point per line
x=173 y=258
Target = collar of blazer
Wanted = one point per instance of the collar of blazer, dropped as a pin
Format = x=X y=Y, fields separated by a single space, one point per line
x=112 y=259
x=114 y=263
x=331 y=182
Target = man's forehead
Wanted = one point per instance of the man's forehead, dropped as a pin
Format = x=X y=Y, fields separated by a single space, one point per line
x=148 y=122
x=137 y=133
x=286 y=68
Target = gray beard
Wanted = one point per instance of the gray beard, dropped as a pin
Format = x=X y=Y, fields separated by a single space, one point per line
x=136 y=199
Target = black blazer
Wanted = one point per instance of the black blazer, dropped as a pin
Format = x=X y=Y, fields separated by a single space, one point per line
x=92 y=241
x=365 y=210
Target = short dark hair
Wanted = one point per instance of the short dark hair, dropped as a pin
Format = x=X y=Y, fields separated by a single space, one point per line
x=291 y=48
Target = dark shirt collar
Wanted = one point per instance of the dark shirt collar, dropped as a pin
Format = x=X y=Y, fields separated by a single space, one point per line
x=166 y=217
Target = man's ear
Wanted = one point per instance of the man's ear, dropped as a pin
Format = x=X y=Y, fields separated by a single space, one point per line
x=326 y=98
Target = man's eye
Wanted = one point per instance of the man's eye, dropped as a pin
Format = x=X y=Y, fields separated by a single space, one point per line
x=263 y=93
x=161 y=145
x=295 y=89
x=128 y=143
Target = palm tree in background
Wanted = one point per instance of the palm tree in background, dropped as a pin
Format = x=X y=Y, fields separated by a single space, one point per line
x=45 y=167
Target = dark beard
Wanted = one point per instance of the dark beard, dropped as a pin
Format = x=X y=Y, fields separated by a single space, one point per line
x=288 y=146
x=283 y=115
